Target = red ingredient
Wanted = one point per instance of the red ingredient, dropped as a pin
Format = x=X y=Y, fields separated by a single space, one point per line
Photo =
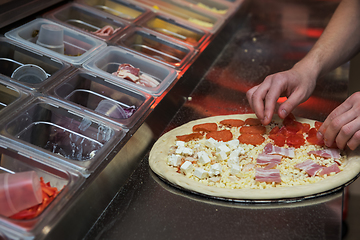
x=253 y=129
x=296 y=140
x=275 y=130
x=279 y=140
x=318 y=125
x=252 y=122
x=232 y=122
x=223 y=135
x=49 y=194
x=305 y=128
x=312 y=139
x=253 y=139
x=189 y=137
x=205 y=127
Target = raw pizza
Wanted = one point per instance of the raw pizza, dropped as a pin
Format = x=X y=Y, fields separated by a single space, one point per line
x=235 y=157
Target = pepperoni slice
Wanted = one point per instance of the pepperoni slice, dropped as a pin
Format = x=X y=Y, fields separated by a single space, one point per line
x=275 y=130
x=296 y=140
x=305 y=128
x=253 y=139
x=279 y=140
x=252 y=122
x=189 y=137
x=318 y=125
x=232 y=122
x=253 y=129
x=222 y=135
x=205 y=127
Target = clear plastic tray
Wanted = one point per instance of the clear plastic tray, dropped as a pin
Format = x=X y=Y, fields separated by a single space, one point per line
x=222 y=9
x=68 y=137
x=194 y=17
x=11 y=97
x=107 y=62
x=78 y=46
x=87 y=20
x=86 y=90
x=126 y=10
x=175 y=28
x=156 y=47
x=14 y=159
x=14 y=55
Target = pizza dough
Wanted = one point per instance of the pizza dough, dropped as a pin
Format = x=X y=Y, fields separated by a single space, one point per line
x=159 y=155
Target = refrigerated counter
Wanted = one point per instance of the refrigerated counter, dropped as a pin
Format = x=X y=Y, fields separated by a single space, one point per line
x=110 y=192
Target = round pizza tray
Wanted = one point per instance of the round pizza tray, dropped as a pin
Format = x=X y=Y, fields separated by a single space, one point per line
x=158 y=164
x=251 y=203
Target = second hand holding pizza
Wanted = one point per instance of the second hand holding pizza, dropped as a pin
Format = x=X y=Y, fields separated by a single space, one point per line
x=339 y=42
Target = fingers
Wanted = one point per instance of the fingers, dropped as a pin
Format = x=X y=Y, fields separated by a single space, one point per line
x=262 y=99
x=342 y=126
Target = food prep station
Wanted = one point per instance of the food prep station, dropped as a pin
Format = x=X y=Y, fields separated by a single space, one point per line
x=204 y=61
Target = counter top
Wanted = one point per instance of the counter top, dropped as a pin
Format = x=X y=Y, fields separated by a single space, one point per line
x=273 y=37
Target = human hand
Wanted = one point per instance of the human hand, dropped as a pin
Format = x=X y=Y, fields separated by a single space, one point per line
x=342 y=126
x=296 y=84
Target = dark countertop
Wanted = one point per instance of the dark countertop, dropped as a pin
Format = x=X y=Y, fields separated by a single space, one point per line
x=275 y=35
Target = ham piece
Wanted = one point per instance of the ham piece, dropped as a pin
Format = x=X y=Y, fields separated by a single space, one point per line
x=327 y=153
x=327 y=170
x=264 y=158
x=309 y=166
x=275 y=150
x=271 y=175
x=131 y=73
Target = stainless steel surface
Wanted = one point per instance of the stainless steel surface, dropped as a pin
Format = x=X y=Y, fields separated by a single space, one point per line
x=14 y=10
x=275 y=35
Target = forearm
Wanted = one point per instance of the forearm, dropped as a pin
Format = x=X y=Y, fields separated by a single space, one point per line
x=339 y=42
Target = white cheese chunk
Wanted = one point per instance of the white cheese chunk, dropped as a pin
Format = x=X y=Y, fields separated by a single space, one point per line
x=215 y=169
x=233 y=144
x=236 y=153
x=187 y=167
x=221 y=155
x=221 y=147
x=203 y=157
x=180 y=143
x=174 y=160
x=211 y=143
x=234 y=169
x=184 y=151
x=201 y=173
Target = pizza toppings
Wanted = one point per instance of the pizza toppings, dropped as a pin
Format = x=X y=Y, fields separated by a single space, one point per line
x=327 y=153
x=222 y=135
x=271 y=175
x=309 y=166
x=128 y=72
x=231 y=152
x=264 y=159
x=331 y=169
x=205 y=127
x=232 y=122
x=271 y=149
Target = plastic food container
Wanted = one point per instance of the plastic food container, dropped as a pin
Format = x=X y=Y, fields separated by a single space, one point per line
x=107 y=62
x=126 y=10
x=68 y=137
x=195 y=17
x=87 y=20
x=98 y=95
x=176 y=29
x=11 y=97
x=16 y=160
x=156 y=47
x=219 y=8
x=19 y=191
x=13 y=57
x=78 y=47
